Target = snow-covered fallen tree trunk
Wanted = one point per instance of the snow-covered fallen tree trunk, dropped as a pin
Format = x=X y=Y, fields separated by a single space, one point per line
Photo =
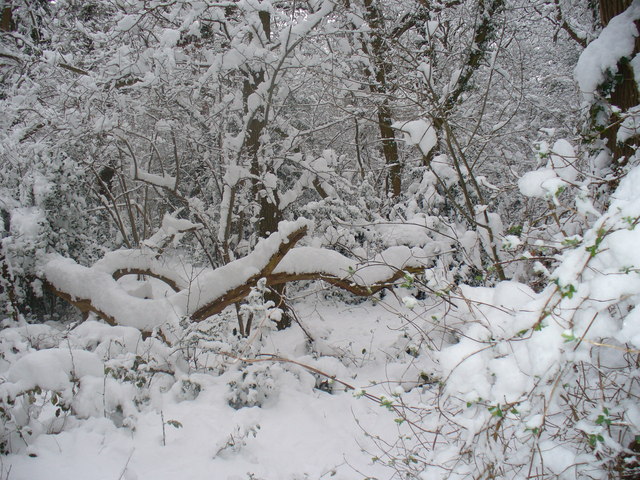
x=201 y=292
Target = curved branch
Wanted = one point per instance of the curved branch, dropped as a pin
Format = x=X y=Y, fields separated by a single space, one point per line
x=281 y=278
x=343 y=283
x=83 y=304
x=95 y=289
x=121 y=272
x=238 y=293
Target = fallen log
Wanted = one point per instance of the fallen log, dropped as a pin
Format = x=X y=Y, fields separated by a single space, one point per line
x=94 y=289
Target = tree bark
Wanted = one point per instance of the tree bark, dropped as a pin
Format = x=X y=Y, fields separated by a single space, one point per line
x=611 y=8
x=382 y=68
x=6 y=21
x=624 y=94
x=269 y=214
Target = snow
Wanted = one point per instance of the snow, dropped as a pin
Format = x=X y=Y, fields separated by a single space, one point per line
x=410 y=302
x=430 y=378
x=254 y=102
x=175 y=270
x=321 y=428
x=615 y=41
x=27 y=222
x=537 y=183
x=163 y=181
x=169 y=37
x=562 y=161
x=630 y=126
x=511 y=242
x=172 y=229
x=501 y=358
x=425 y=71
x=418 y=132
x=126 y=23
x=199 y=287
x=560 y=171
x=303 y=260
x=51 y=369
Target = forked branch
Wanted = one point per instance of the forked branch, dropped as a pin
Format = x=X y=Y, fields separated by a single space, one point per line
x=95 y=289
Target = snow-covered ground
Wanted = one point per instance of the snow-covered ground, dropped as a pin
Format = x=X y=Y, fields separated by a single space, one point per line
x=465 y=380
x=300 y=424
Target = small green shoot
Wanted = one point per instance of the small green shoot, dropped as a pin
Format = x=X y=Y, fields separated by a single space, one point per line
x=385 y=402
x=604 y=419
x=593 y=249
x=569 y=336
x=632 y=221
x=408 y=281
x=595 y=438
x=571 y=242
x=496 y=411
x=566 y=291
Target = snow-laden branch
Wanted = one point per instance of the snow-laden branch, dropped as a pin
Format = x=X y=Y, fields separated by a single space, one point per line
x=308 y=263
x=94 y=288
x=200 y=293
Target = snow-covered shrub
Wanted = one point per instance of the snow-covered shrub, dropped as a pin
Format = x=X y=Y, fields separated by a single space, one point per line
x=39 y=392
x=55 y=377
x=30 y=204
x=541 y=384
x=255 y=384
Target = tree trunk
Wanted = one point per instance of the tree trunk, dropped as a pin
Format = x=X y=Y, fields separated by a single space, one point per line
x=611 y=8
x=382 y=69
x=269 y=213
x=625 y=91
x=6 y=21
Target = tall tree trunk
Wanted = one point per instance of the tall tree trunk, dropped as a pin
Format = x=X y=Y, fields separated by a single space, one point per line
x=382 y=67
x=6 y=21
x=625 y=91
x=269 y=214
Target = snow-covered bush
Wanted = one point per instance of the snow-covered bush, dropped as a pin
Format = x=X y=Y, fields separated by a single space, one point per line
x=538 y=384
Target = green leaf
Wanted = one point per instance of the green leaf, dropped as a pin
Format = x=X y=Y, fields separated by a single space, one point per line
x=385 y=402
x=496 y=411
x=515 y=230
x=632 y=221
x=568 y=291
x=571 y=242
x=593 y=249
x=595 y=438
x=408 y=281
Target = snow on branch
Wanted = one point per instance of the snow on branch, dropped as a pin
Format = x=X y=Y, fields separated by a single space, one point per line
x=162 y=181
x=616 y=40
x=94 y=288
x=201 y=293
x=244 y=273
x=308 y=263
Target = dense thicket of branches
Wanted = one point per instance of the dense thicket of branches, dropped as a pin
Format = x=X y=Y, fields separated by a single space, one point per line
x=236 y=117
x=195 y=133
